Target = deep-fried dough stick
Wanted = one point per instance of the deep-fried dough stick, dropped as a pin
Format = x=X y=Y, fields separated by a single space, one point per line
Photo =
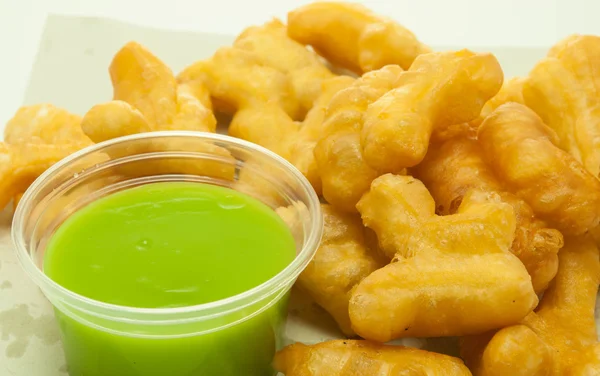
x=456 y=166
x=564 y=89
x=272 y=47
x=263 y=66
x=560 y=337
x=45 y=124
x=341 y=262
x=21 y=164
x=344 y=173
x=269 y=126
x=364 y=358
x=351 y=36
x=268 y=80
x=452 y=275
x=237 y=79
x=265 y=124
x=511 y=91
x=147 y=98
x=35 y=138
x=113 y=119
x=519 y=148
x=409 y=202
x=301 y=150
x=439 y=90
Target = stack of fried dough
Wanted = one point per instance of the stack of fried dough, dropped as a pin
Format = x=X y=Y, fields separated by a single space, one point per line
x=455 y=202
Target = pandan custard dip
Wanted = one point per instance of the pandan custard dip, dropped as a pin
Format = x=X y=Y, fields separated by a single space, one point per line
x=158 y=261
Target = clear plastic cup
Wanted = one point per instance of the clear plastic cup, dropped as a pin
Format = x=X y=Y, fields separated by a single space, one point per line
x=234 y=336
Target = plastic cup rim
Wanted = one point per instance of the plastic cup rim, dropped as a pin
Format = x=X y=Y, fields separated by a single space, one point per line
x=267 y=288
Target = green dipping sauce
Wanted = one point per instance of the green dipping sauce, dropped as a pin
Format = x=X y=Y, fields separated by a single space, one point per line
x=167 y=245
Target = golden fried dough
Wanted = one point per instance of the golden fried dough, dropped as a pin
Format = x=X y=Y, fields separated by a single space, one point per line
x=35 y=138
x=118 y=118
x=142 y=80
x=344 y=174
x=163 y=156
x=265 y=124
x=451 y=169
x=511 y=91
x=564 y=90
x=148 y=98
x=236 y=79
x=272 y=47
x=341 y=262
x=362 y=358
x=519 y=148
x=113 y=119
x=193 y=114
x=560 y=337
x=412 y=200
x=263 y=66
x=269 y=126
x=269 y=82
x=21 y=164
x=351 y=36
x=452 y=275
x=456 y=166
x=439 y=90
x=301 y=151
x=45 y=124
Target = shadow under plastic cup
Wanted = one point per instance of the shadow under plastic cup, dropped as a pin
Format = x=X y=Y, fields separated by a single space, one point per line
x=234 y=336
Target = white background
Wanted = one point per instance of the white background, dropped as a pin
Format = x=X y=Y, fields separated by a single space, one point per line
x=438 y=22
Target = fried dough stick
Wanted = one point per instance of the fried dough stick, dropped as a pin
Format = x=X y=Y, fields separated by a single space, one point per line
x=269 y=126
x=361 y=358
x=45 y=124
x=342 y=260
x=564 y=90
x=35 y=138
x=351 y=36
x=268 y=81
x=511 y=91
x=560 y=337
x=452 y=275
x=520 y=149
x=372 y=106
x=20 y=165
x=304 y=142
x=344 y=174
x=456 y=166
x=147 y=98
x=262 y=66
x=439 y=90
x=271 y=45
